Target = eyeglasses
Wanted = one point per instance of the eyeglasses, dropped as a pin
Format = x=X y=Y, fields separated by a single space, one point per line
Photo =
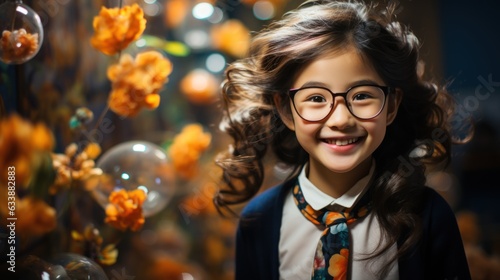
x=316 y=103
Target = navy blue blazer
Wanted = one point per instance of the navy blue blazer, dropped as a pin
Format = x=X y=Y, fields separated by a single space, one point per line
x=439 y=255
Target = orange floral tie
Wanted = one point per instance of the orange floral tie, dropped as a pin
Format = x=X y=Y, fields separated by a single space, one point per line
x=332 y=254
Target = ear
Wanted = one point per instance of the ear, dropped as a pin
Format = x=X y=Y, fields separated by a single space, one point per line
x=286 y=117
x=393 y=105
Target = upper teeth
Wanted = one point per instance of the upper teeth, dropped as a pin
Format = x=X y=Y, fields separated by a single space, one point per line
x=342 y=142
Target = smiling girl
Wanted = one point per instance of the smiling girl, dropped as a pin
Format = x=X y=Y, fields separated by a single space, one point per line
x=335 y=90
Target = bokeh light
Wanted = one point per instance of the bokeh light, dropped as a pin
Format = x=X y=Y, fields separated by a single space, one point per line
x=215 y=63
x=152 y=8
x=200 y=86
x=217 y=16
x=197 y=39
x=203 y=10
x=263 y=10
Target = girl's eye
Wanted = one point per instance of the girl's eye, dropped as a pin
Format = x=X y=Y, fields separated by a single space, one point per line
x=361 y=96
x=316 y=98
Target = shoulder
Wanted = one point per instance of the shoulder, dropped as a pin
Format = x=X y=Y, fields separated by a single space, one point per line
x=439 y=252
x=435 y=207
x=439 y=223
x=264 y=202
x=258 y=235
x=433 y=198
x=441 y=238
x=436 y=213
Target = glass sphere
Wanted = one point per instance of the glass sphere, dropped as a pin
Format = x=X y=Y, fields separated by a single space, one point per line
x=75 y=267
x=136 y=165
x=21 y=32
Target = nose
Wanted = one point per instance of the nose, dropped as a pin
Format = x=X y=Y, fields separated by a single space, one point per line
x=340 y=118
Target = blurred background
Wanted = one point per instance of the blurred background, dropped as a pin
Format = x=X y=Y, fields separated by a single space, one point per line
x=187 y=239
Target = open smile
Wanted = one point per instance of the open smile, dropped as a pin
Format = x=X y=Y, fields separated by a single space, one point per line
x=341 y=142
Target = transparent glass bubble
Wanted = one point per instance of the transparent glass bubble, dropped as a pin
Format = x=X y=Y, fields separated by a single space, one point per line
x=21 y=32
x=55 y=272
x=136 y=165
x=68 y=266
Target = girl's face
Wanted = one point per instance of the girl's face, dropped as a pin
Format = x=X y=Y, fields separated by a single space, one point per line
x=340 y=143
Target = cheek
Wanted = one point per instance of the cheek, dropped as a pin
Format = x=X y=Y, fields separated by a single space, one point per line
x=377 y=131
x=304 y=130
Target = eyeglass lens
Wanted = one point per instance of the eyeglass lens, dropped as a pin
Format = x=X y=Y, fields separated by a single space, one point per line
x=315 y=104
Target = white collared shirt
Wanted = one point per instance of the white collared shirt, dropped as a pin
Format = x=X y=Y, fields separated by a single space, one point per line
x=299 y=237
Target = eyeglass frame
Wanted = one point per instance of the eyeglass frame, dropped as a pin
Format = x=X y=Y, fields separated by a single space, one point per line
x=385 y=89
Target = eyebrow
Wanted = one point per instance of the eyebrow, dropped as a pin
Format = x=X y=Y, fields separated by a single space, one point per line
x=356 y=83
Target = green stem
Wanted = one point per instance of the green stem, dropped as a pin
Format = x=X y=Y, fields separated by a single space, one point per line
x=101 y=117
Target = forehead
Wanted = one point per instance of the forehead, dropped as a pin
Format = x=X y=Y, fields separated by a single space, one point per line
x=338 y=71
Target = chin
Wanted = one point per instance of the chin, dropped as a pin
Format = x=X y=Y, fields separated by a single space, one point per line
x=344 y=167
x=341 y=169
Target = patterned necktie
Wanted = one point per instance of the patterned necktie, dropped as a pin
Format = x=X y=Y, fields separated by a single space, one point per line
x=332 y=254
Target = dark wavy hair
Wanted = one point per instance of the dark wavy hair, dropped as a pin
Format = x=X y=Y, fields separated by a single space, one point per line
x=254 y=86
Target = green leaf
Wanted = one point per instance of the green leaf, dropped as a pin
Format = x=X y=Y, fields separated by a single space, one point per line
x=153 y=41
x=176 y=48
x=171 y=47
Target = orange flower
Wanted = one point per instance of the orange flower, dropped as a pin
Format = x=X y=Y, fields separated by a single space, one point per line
x=175 y=12
x=231 y=37
x=125 y=209
x=215 y=249
x=71 y=166
x=116 y=28
x=18 y=45
x=92 y=240
x=186 y=149
x=108 y=255
x=166 y=267
x=136 y=84
x=35 y=217
x=200 y=202
x=200 y=86
x=93 y=150
x=20 y=144
x=338 y=265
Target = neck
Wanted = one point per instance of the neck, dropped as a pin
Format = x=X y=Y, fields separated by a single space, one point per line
x=336 y=184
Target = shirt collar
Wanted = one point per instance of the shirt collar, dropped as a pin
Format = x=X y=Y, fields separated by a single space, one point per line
x=319 y=200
